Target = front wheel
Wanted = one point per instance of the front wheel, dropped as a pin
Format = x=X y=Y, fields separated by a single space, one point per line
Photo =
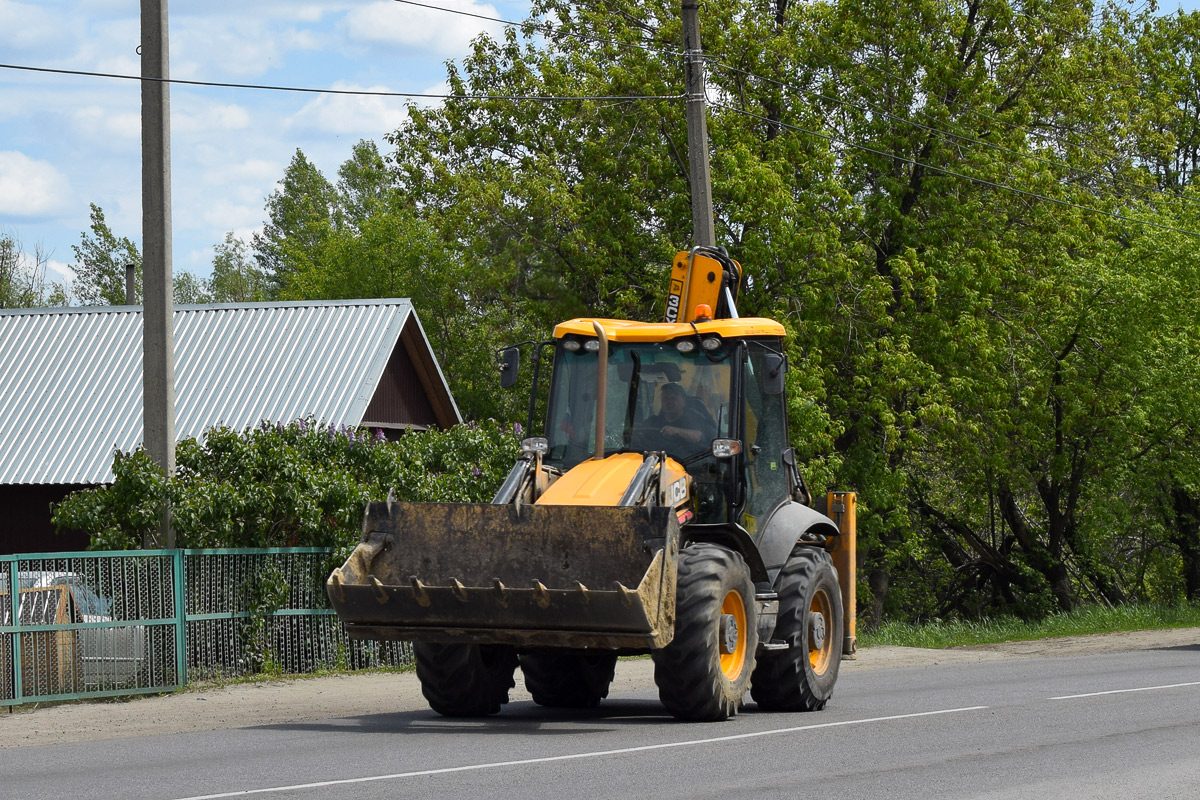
x=465 y=680
x=568 y=678
x=703 y=674
x=810 y=620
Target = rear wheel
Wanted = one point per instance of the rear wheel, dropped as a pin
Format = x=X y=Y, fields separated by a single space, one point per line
x=465 y=680
x=810 y=620
x=703 y=674
x=568 y=678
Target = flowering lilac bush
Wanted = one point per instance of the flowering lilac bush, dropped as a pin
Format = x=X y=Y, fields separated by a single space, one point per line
x=301 y=484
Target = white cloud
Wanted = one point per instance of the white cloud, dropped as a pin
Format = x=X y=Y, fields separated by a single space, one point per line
x=364 y=115
x=66 y=141
x=220 y=171
x=122 y=64
x=261 y=10
x=212 y=48
x=306 y=13
x=226 y=215
x=391 y=25
x=208 y=48
x=103 y=124
x=30 y=188
x=205 y=117
x=59 y=272
x=108 y=45
x=29 y=28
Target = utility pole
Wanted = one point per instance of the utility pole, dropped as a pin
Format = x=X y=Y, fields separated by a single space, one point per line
x=158 y=310
x=703 y=230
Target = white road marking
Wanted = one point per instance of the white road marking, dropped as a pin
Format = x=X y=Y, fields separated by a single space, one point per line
x=575 y=756
x=1124 y=691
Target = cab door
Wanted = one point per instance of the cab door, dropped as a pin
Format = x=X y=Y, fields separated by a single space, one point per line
x=764 y=435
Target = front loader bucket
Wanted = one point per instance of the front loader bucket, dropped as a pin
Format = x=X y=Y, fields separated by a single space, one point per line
x=561 y=576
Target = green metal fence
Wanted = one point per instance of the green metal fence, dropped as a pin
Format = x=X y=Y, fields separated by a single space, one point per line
x=105 y=624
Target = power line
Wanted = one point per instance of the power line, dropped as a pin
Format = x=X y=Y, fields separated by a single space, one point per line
x=993 y=184
x=545 y=98
x=627 y=98
x=546 y=28
x=352 y=92
x=507 y=22
x=932 y=129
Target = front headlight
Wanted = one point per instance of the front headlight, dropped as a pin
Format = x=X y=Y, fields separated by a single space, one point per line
x=726 y=448
x=535 y=444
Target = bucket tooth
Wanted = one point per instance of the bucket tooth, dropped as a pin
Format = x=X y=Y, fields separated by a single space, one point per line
x=625 y=593
x=541 y=594
x=501 y=592
x=381 y=594
x=458 y=589
x=335 y=580
x=419 y=593
x=582 y=590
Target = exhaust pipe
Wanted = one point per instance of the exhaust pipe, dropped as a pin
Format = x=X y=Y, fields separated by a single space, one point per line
x=601 y=387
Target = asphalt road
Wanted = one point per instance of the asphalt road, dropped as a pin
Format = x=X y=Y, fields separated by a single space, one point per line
x=1111 y=725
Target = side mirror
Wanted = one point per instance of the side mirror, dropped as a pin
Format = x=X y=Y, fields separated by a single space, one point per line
x=774 y=369
x=800 y=491
x=510 y=364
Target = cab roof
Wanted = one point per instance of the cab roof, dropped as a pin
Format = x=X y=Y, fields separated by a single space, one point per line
x=622 y=330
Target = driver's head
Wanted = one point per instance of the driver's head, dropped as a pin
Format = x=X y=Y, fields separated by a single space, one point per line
x=673 y=399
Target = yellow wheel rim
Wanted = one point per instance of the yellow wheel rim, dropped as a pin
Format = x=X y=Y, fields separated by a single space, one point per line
x=820 y=642
x=733 y=606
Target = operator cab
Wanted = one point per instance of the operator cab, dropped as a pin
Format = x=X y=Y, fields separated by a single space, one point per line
x=680 y=396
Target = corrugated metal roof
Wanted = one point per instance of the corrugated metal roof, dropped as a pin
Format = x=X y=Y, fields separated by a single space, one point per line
x=71 y=379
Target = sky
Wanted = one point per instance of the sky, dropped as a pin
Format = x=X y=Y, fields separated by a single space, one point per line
x=69 y=141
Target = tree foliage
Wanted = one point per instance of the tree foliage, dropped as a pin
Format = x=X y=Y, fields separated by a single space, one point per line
x=101 y=258
x=302 y=484
x=236 y=275
x=298 y=212
x=977 y=220
x=23 y=277
x=100 y=261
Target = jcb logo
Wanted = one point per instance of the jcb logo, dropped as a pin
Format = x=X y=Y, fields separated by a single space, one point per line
x=673 y=301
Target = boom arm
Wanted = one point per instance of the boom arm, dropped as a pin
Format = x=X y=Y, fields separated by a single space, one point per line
x=706 y=276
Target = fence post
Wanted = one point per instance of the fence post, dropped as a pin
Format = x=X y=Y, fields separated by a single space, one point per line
x=179 y=567
x=14 y=590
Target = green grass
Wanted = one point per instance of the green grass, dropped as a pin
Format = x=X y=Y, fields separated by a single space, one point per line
x=216 y=682
x=1091 y=619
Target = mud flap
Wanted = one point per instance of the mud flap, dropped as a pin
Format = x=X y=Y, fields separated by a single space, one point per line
x=561 y=576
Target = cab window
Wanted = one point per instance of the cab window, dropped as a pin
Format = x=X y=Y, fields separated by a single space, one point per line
x=764 y=438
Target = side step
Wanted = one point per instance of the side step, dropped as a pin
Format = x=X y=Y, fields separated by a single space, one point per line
x=768 y=610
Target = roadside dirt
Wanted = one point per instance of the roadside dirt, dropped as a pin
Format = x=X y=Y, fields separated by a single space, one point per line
x=273 y=702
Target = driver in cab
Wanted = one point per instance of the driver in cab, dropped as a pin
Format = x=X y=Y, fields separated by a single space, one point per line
x=683 y=428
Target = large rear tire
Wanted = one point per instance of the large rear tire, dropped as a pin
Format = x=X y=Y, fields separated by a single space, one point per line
x=465 y=680
x=810 y=620
x=703 y=674
x=568 y=678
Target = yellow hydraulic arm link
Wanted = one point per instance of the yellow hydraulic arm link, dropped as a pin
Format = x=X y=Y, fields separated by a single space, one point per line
x=700 y=278
x=842 y=508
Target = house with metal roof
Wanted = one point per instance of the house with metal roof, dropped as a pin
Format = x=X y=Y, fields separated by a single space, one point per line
x=71 y=387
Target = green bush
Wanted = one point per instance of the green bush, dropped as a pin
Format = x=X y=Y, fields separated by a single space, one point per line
x=303 y=484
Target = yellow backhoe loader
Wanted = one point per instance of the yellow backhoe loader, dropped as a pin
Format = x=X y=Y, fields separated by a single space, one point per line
x=661 y=512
